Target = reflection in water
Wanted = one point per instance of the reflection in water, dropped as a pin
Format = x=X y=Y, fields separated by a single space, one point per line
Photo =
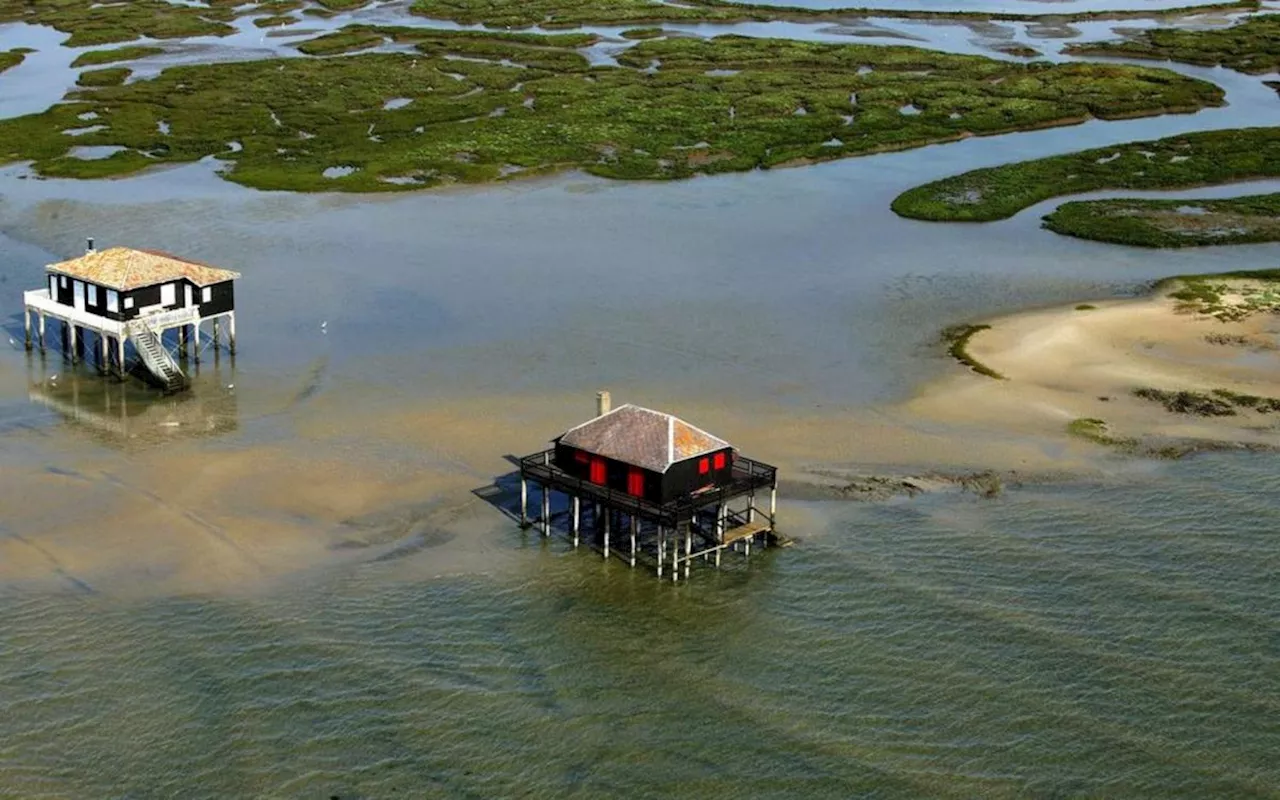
x=130 y=411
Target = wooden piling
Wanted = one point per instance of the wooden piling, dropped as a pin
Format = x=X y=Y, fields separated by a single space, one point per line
x=524 y=502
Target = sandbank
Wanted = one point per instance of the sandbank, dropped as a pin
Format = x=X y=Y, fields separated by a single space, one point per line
x=416 y=486
x=1085 y=362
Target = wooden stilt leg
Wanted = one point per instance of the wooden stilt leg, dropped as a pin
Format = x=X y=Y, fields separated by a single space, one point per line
x=577 y=514
x=661 y=548
x=26 y=325
x=217 y=334
x=719 y=532
x=675 y=555
x=546 y=510
x=608 y=515
x=120 y=340
x=75 y=344
x=231 y=333
x=195 y=342
x=688 y=550
x=42 y=333
x=633 y=539
x=524 y=502
x=103 y=366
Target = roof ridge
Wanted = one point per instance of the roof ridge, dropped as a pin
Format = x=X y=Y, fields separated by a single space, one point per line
x=671 y=438
x=609 y=413
x=128 y=268
x=708 y=434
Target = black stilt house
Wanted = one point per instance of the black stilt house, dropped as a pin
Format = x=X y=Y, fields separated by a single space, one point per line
x=121 y=284
x=647 y=454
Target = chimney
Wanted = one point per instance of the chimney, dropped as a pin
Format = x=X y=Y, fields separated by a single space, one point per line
x=604 y=403
x=88 y=245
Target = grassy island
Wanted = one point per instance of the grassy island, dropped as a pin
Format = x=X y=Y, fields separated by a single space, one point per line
x=89 y=22
x=1177 y=162
x=93 y=58
x=1171 y=223
x=561 y=14
x=92 y=23
x=1253 y=46
x=111 y=76
x=12 y=58
x=476 y=108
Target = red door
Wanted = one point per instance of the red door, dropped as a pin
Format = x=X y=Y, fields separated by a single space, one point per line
x=635 y=482
x=598 y=472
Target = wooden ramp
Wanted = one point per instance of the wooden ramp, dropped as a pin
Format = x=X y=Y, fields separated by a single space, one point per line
x=745 y=531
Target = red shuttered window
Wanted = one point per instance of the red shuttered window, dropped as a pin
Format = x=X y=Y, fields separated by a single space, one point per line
x=719 y=460
x=704 y=466
x=635 y=482
x=598 y=474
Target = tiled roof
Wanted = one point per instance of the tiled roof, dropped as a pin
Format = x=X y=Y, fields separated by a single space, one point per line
x=124 y=268
x=642 y=437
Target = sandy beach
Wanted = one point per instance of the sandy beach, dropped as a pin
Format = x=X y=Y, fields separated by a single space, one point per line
x=1085 y=361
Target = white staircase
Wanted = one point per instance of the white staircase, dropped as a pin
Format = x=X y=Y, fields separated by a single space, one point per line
x=157 y=359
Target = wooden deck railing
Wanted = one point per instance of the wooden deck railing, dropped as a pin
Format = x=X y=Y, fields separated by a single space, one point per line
x=747 y=475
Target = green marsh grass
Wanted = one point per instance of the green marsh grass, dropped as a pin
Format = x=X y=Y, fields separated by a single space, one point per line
x=1176 y=162
x=490 y=107
x=93 y=58
x=1251 y=46
x=957 y=340
x=1171 y=223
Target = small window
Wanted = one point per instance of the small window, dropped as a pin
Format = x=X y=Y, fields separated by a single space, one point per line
x=113 y=300
x=168 y=294
x=53 y=286
x=128 y=302
x=719 y=460
x=64 y=281
x=704 y=466
x=93 y=295
x=598 y=473
x=206 y=294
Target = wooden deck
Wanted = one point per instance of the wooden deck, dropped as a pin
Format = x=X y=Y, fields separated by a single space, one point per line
x=746 y=531
x=672 y=535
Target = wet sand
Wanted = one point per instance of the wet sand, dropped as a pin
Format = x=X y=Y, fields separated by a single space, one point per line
x=357 y=483
x=1067 y=363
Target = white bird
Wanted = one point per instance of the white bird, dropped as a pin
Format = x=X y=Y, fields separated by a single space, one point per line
x=11 y=341
x=231 y=386
x=54 y=377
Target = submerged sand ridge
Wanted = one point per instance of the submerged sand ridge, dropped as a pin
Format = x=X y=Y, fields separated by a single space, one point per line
x=1087 y=364
x=405 y=483
x=409 y=482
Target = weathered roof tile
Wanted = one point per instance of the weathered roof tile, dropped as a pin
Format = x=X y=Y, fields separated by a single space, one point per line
x=124 y=268
x=642 y=437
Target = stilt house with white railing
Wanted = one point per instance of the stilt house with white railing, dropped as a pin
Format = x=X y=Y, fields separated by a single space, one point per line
x=122 y=296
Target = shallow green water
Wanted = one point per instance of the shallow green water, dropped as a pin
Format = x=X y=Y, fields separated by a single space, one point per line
x=1117 y=640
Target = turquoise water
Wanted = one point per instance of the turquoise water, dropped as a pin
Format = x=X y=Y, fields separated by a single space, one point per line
x=1117 y=639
